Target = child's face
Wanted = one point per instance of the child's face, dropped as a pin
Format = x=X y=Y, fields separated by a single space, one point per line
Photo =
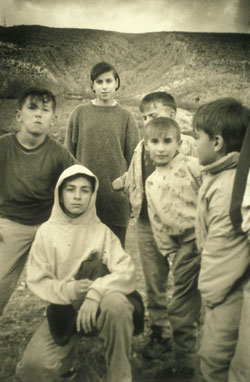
x=205 y=148
x=76 y=196
x=36 y=116
x=163 y=149
x=105 y=86
x=155 y=110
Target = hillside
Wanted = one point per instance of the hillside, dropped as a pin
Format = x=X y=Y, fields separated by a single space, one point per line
x=194 y=66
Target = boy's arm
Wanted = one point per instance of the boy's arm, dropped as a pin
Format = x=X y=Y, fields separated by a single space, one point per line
x=122 y=276
x=67 y=159
x=188 y=146
x=41 y=278
x=225 y=254
x=132 y=138
x=71 y=136
x=128 y=180
x=194 y=169
x=119 y=183
x=245 y=209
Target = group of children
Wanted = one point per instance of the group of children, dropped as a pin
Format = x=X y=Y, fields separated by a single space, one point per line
x=183 y=209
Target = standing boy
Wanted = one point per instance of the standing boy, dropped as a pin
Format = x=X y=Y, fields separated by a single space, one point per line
x=30 y=164
x=220 y=127
x=172 y=191
x=102 y=136
x=72 y=238
x=155 y=266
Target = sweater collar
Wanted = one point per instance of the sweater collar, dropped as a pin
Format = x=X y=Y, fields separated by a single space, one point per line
x=94 y=103
x=225 y=163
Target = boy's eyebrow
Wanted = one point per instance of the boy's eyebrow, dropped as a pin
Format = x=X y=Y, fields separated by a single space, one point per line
x=72 y=185
x=34 y=102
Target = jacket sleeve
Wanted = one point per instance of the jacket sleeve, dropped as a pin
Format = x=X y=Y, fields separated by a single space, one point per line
x=128 y=180
x=119 y=183
x=132 y=138
x=225 y=254
x=71 y=137
x=188 y=146
x=195 y=170
x=41 y=276
x=122 y=277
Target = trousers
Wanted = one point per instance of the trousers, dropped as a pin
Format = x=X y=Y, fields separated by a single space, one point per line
x=184 y=309
x=15 y=243
x=44 y=361
x=219 y=336
x=155 y=269
x=240 y=366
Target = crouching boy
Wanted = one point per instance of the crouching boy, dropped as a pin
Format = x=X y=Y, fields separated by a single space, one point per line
x=71 y=238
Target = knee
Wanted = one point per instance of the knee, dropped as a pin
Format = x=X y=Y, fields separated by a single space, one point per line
x=117 y=307
x=27 y=367
x=33 y=367
x=214 y=354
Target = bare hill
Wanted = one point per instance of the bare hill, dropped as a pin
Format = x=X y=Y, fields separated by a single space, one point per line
x=194 y=66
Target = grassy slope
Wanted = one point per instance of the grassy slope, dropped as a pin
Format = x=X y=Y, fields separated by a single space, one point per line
x=195 y=67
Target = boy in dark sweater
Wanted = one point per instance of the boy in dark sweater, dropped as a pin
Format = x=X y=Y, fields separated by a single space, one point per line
x=102 y=136
x=30 y=164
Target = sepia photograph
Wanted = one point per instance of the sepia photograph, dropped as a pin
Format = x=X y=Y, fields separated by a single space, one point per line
x=124 y=190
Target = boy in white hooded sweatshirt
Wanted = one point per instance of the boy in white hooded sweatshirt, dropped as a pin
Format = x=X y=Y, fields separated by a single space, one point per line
x=71 y=236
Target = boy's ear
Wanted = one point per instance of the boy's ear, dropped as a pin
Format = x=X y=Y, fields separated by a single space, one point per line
x=172 y=114
x=53 y=120
x=117 y=85
x=219 y=144
x=146 y=144
x=92 y=86
x=18 y=115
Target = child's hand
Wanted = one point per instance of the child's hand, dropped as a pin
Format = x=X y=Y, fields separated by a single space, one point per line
x=81 y=287
x=87 y=315
x=118 y=184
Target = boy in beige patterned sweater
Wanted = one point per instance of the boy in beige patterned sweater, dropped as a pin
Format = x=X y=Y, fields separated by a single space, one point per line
x=172 y=195
x=155 y=266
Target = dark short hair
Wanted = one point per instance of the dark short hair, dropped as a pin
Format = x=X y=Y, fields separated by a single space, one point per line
x=164 y=98
x=104 y=67
x=37 y=94
x=159 y=126
x=226 y=117
x=91 y=180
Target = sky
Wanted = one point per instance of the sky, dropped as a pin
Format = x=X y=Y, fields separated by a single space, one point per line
x=131 y=16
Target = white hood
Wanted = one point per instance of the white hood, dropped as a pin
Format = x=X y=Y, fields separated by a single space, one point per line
x=58 y=216
x=62 y=244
